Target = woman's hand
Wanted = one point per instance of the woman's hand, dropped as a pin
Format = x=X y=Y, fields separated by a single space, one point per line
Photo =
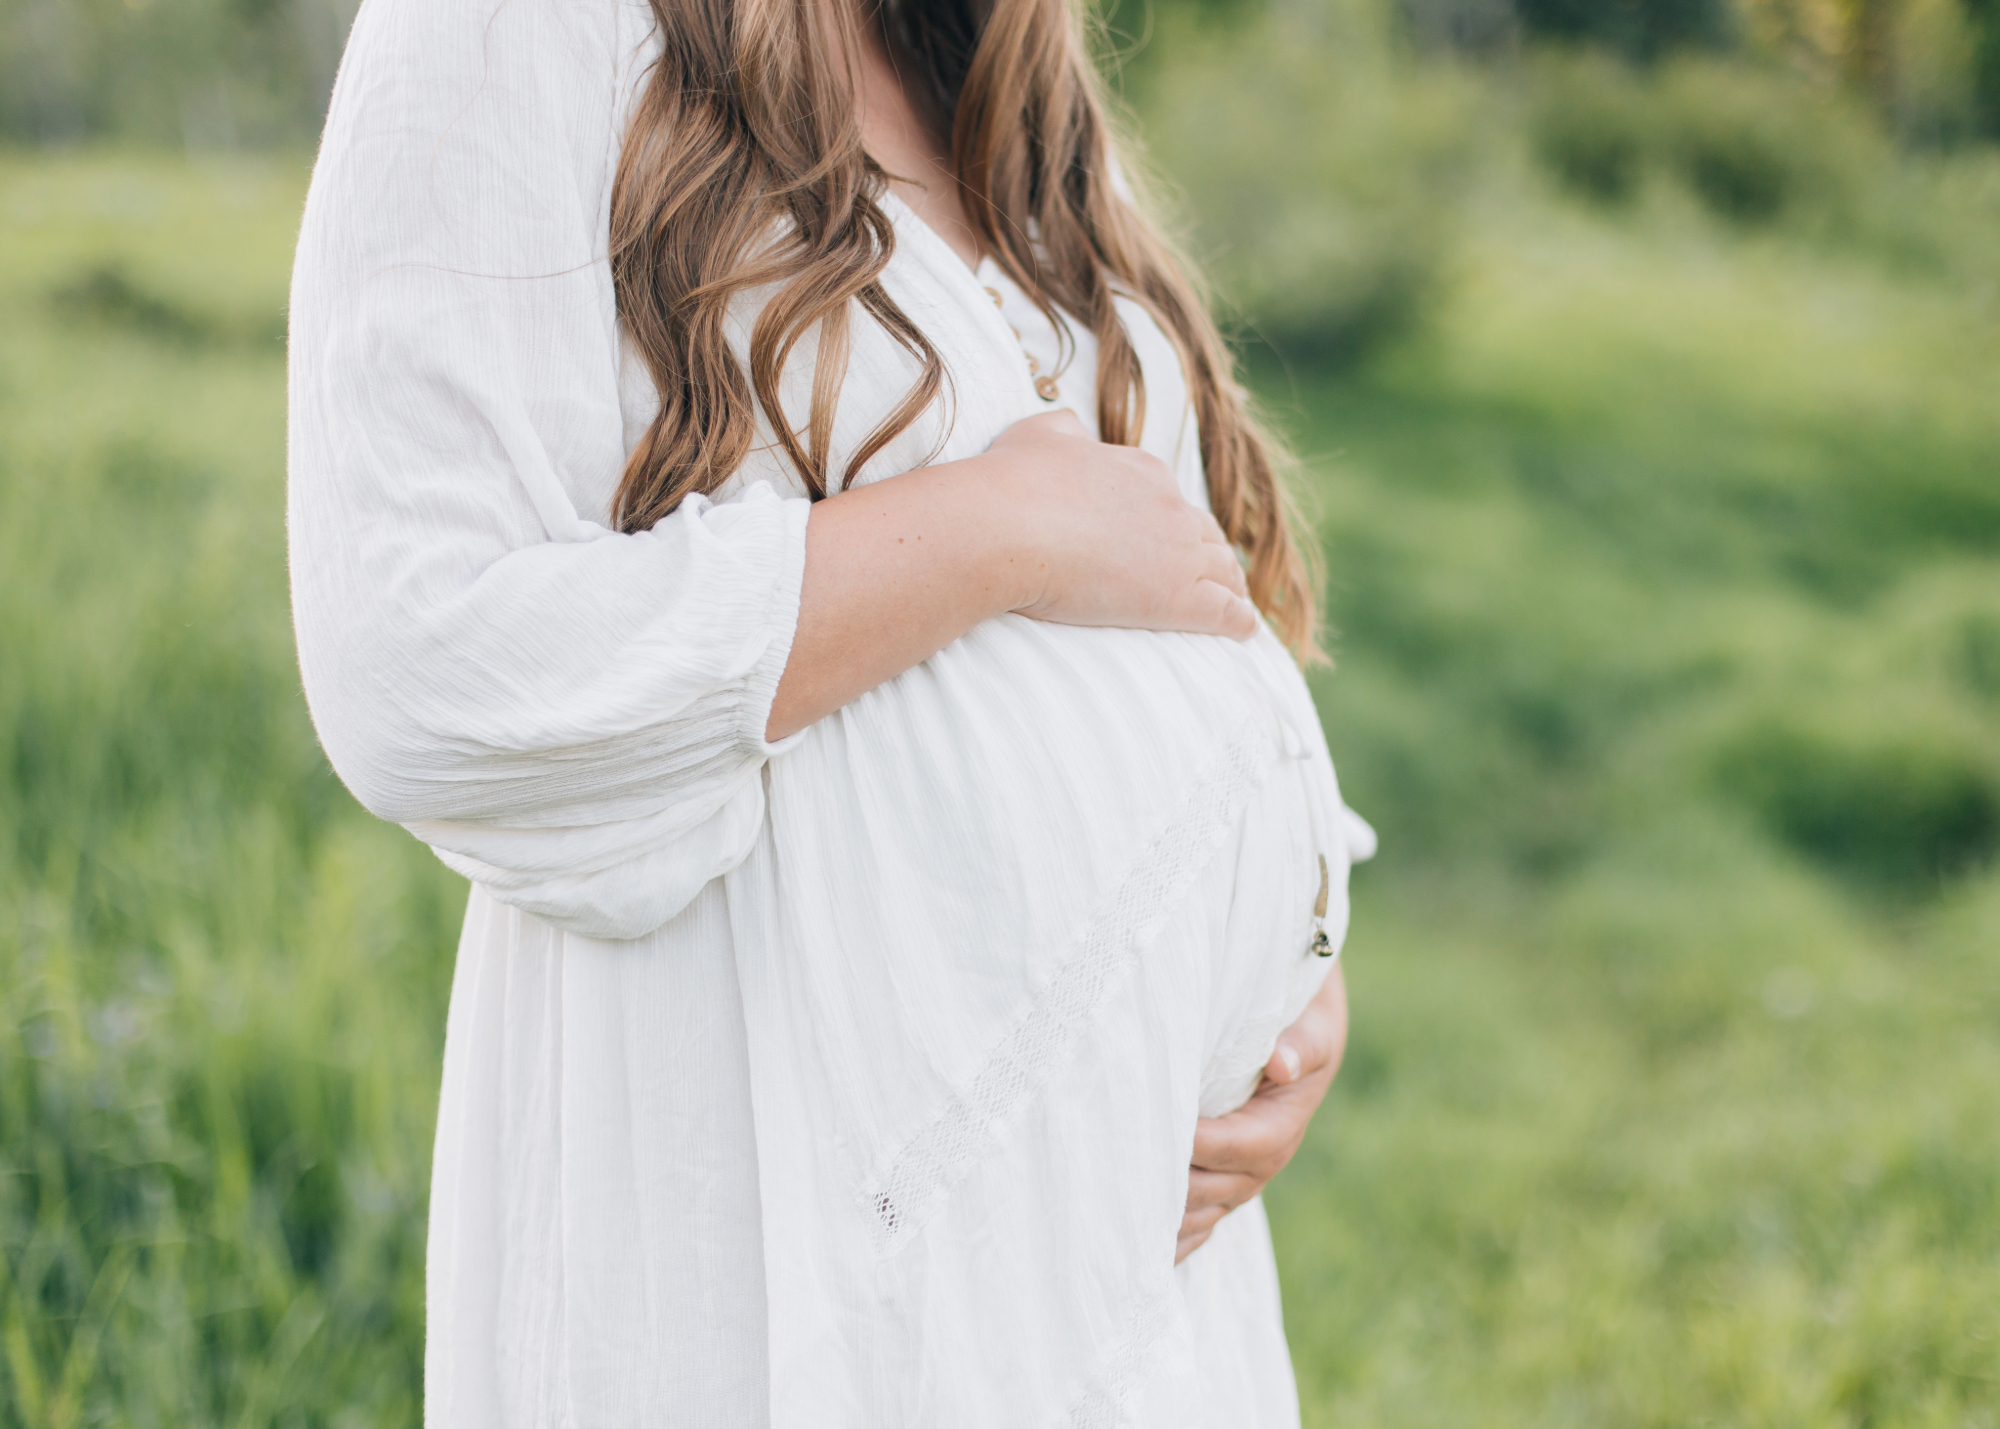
x=1046 y=522
x=1114 y=542
x=1236 y=1155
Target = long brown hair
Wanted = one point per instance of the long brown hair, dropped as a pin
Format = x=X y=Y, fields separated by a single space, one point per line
x=744 y=169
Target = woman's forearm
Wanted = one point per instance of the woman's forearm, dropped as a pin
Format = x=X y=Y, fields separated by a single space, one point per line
x=895 y=571
x=1048 y=521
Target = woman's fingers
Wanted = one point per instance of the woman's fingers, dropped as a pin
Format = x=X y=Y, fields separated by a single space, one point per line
x=1117 y=544
x=1188 y=1245
x=1196 y=1228
x=1259 y=1137
x=1062 y=422
x=1203 y=1221
x=1218 y=1191
x=1219 y=611
x=1235 y=1156
x=1219 y=564
x=1309 y=1044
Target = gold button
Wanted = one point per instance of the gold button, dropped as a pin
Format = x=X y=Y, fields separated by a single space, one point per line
x=994 y=294
x=1046 y=389
x=1033 y=366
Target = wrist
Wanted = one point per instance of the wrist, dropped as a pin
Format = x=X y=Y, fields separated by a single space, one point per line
x=1011 y=551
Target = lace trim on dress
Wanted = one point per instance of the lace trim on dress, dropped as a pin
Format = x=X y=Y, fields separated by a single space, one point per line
x=1103 y=1404
x=936 y=1157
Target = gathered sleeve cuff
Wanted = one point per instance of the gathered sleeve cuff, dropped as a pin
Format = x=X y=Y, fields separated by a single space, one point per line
x=623 y=838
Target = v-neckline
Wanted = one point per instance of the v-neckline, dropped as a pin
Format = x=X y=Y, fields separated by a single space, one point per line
x=930 y=235
x=973 y=286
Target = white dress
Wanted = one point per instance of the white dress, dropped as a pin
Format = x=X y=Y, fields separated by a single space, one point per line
x=844 y=1081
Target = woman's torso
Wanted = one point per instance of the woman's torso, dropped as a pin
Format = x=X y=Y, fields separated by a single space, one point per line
x=976 y=931
x=1027 y=764
x=1017 y=914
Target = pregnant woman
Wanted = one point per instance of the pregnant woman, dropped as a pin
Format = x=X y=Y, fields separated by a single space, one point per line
x=752 y=475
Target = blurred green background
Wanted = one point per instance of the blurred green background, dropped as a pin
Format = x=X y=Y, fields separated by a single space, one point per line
x=1645 y=360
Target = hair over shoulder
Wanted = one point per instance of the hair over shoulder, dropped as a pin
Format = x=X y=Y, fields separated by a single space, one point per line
x=746 y=131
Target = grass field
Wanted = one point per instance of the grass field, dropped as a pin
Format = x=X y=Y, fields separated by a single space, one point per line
x=1670 y=581
x=1666 y=562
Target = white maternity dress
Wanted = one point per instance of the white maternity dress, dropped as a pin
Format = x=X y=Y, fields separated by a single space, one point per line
x=847 y=1081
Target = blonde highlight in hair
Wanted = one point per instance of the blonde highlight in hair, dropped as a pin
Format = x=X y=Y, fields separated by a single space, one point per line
x=744 y=169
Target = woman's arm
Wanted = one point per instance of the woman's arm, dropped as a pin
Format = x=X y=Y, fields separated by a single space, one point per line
x=572 y=716
x=1047 y=522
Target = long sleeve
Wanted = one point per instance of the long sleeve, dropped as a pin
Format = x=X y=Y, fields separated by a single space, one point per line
x=570 y=716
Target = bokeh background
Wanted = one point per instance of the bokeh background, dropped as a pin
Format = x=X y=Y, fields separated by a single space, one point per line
x=1644 y=357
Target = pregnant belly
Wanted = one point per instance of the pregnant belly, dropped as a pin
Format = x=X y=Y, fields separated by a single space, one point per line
x=1005 y=827
x=1014 y=918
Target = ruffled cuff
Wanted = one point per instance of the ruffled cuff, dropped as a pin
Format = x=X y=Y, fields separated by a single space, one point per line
x=780 y=618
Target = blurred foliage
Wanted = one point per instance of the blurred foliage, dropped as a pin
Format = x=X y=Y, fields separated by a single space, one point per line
x=194 y=74
x=1643 y=29
x=1751 y=145
x=226 y=74
x=1983 y=67
x=1912 y=59
x=1328 y=222
x=1901 y=808
x=1755 y=152
x=1929 y=68
x=1666 y=561
x=1649 y=423
x=1590 y=128
x=220 y=982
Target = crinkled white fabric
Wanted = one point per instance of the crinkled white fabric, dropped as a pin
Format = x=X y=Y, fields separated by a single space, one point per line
x=844 y=1081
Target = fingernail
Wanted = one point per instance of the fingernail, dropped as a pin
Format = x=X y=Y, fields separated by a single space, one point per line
x=1291 y=1060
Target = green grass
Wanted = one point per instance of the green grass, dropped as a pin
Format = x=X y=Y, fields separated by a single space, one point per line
x=221 y=984
x=1667 y=568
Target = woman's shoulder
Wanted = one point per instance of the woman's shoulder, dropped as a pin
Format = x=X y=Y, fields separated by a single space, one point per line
x=488 y=55
x=483 y=126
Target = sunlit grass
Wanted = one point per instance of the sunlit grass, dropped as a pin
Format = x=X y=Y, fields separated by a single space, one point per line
x=1668 y=1103
x=1664 y=560
x=221 y=984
